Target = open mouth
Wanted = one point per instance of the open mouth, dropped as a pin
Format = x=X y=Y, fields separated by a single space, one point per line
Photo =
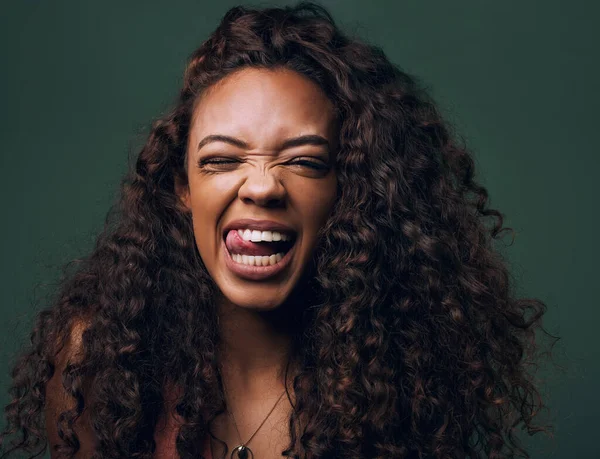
x=258 y=248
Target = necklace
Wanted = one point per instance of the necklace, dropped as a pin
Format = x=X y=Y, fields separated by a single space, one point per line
x=242 y=451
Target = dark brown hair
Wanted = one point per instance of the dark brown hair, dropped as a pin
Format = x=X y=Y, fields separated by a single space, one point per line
x=413 y=346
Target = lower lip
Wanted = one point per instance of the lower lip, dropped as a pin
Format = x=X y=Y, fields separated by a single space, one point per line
x=258 y=272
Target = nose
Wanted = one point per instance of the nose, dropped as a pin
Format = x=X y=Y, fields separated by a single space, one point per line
x=262 y=188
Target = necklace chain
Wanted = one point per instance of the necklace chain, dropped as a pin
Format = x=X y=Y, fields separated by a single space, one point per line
x=243 y=444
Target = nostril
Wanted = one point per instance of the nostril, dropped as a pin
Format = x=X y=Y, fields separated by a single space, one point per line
x=271 y=203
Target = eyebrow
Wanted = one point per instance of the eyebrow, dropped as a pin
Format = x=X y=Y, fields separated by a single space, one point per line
x=311 y=139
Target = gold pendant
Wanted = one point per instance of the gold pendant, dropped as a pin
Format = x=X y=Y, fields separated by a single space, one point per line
x=242 y=452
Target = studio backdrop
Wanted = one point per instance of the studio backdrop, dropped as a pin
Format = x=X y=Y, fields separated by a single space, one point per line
x=81 y=82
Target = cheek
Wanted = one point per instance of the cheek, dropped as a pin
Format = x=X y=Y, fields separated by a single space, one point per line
x=208 y=200
x=210 y=195
x=317 y=203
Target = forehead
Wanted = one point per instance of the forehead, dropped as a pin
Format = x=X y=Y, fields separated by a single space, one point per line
x=263 y=106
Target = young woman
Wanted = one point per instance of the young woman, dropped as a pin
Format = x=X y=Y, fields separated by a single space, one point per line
x=300 y=265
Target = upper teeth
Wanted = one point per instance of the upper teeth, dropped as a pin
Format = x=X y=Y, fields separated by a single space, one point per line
x=257 y=236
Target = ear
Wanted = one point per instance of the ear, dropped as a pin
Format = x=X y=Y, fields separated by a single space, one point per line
x=182 y=189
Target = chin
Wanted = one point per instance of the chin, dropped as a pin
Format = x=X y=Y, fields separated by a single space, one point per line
x=258 y=305
x=256 y=296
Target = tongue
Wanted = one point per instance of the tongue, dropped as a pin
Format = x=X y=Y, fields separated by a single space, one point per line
x=236 y=245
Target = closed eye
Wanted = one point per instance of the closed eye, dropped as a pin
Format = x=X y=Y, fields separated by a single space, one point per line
x=229 y=162
x=212 y=165
x=317 y=165
x=216 y=161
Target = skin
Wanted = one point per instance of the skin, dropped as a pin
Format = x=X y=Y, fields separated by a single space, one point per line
x=263 y=108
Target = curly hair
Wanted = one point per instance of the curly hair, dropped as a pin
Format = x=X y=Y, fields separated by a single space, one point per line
x=413 y=344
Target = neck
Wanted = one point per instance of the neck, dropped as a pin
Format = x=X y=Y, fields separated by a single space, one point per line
x=255 y=347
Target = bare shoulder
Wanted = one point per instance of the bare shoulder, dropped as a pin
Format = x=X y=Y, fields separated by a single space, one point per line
x=58 y=399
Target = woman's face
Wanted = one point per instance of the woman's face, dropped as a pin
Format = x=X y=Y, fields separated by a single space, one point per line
x=261 y=181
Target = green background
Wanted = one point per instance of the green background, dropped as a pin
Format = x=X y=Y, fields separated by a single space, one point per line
x=81 y=82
